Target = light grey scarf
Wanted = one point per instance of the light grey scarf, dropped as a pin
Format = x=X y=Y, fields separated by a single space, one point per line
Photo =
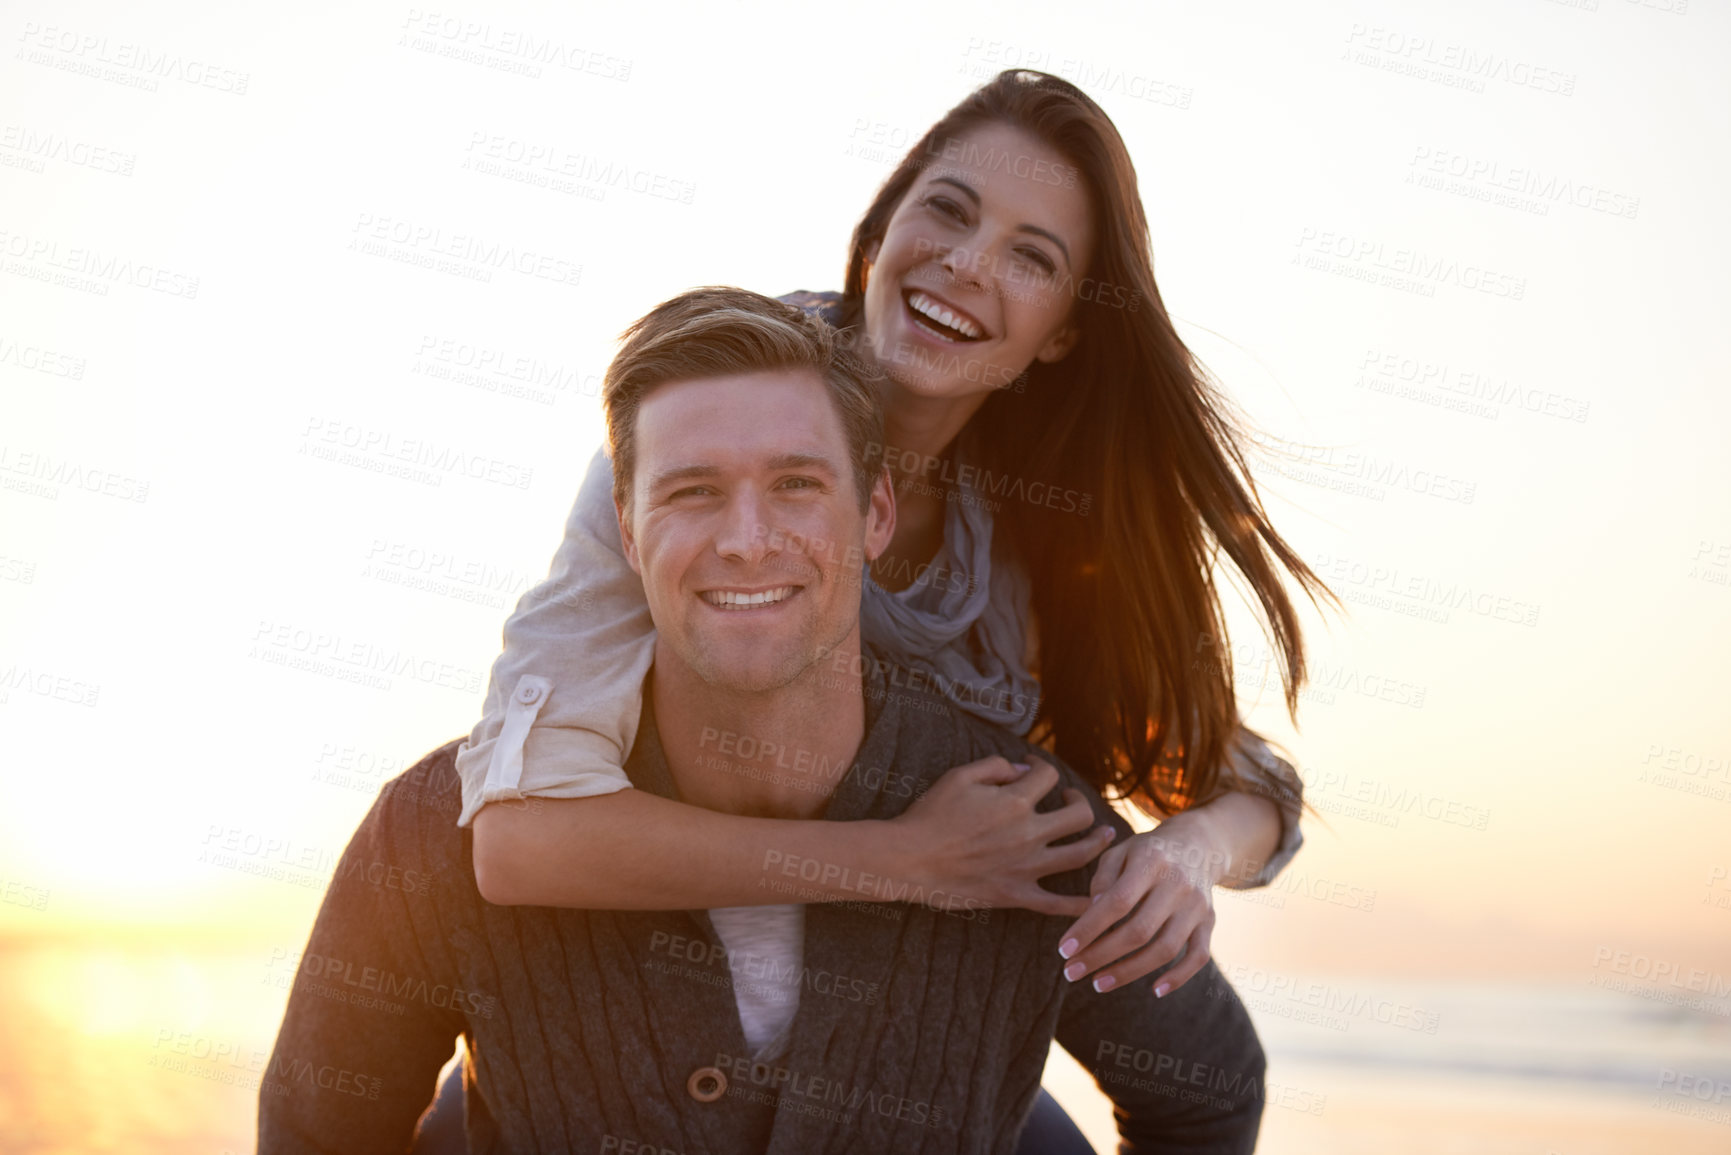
x=962 y=624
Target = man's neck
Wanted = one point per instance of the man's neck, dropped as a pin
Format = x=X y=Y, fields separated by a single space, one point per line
x=775 y=754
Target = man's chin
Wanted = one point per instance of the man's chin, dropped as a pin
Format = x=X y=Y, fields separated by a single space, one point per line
x=751 y=669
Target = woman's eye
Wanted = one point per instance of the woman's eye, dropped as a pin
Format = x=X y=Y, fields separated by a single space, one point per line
x=1039 y=260
x=946 y=206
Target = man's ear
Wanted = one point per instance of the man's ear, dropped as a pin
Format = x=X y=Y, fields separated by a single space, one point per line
x=880 y=515
x=1058 y=346
x=626 y=539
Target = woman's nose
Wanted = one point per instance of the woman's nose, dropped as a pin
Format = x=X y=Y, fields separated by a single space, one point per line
x=967 y=266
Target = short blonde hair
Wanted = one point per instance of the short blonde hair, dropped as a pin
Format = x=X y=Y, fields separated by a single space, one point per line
x=719 y=331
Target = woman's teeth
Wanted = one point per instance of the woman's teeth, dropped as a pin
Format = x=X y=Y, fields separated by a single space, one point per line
x=767 y=597
x=932 y=311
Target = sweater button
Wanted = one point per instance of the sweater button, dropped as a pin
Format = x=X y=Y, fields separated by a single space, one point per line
x=528 y=695
x=707 y=1084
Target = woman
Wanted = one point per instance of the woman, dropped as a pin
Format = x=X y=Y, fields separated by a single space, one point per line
x=1065 y=480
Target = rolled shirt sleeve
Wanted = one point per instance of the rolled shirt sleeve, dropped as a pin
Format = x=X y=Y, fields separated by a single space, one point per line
x=565 y=696
x=1258 y=770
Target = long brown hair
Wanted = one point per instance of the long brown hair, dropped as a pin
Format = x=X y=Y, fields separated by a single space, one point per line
x=1136 y=675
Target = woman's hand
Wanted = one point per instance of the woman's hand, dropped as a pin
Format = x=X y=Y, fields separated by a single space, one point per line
x=976 y=835
x=1155 y=891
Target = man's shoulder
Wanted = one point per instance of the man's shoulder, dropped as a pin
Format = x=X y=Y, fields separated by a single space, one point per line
x=928 y=715
x=931 y=720
x=425 y=799
x=929 y=708
x=934 y=734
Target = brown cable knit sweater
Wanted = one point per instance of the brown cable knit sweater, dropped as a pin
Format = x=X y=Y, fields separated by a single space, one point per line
x=919 y=1028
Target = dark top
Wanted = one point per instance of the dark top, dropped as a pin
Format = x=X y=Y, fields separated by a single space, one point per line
x=923 y=1025
x=1252 y=768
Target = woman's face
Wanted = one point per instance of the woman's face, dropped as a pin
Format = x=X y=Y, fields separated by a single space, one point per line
x=975 y=275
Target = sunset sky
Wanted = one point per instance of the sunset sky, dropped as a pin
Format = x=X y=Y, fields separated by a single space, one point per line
x=1462 y=266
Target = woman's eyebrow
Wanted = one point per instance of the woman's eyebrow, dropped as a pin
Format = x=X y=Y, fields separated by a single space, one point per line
x=950 y=180
x=1026 y=228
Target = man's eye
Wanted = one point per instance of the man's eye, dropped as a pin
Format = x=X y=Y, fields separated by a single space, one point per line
x=692 y=490
x=801 y=483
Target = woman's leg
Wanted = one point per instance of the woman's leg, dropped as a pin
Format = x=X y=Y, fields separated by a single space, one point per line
x=1050 y=1131
x=441 y=1129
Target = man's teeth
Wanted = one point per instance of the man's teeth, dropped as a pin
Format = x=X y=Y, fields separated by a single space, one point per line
x=925 y=306
x=767 y=597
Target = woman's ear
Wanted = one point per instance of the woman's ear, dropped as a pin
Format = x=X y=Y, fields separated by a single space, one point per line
x=870 y=253
x=1058 y=346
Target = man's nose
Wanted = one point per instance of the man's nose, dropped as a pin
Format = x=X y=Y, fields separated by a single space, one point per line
x=745 y=532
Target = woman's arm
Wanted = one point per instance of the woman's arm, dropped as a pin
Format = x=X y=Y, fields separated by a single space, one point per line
x=1249 y=831
x=975 y=834
x=567 y=691
x=1229 y=841
x=1153 y=895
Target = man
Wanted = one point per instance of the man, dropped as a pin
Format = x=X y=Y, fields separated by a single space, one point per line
x=748 y=499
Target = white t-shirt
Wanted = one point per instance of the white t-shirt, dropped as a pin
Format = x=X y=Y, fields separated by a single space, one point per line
x=766 y=953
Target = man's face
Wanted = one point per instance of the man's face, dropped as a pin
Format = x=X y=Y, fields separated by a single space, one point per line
x=745 y=525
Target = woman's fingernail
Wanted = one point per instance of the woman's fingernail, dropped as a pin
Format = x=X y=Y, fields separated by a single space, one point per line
x=1069 y=947
x=1104 y=983
x=1022 y=766
x=1074 y=971
x=1160 y=991
x=1096 y=898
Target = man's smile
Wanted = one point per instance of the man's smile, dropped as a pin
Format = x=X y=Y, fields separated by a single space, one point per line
x=737 y=599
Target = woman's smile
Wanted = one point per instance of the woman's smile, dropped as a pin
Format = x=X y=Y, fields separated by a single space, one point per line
x=940 y=319
x=973 y=255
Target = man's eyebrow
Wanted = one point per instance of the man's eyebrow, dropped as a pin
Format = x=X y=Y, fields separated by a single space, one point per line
x=781 y=461
x=681 y=473
x=1026 y=228
x=802 y=461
